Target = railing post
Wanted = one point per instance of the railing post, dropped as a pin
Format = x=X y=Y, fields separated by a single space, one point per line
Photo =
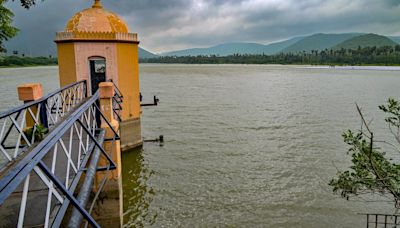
x=27 y=93
x=86 y=88
x=43 y=114
x=106 y=90
x=113 y=147
x=114 y=181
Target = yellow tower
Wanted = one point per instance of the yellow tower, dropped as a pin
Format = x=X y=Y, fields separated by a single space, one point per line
x=96 y=46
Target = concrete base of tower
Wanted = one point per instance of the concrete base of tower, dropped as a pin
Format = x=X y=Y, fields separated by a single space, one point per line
x=131 y=134
x=108 y=211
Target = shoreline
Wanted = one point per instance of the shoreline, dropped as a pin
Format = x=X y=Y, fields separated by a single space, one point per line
x=24 y=66
x=279 y=64
x=341 y=67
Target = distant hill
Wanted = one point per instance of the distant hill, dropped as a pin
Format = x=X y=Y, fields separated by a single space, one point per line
x=236 y=48
x=395 y=38
x=367 y=40
x=277 y=47
x=143 y=54
x=319 y=42
x=221 y=49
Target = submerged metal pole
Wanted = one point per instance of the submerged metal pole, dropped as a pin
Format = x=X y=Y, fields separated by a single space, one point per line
x=84 y=193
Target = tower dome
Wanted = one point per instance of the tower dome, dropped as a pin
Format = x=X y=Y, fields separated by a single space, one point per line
x=96 y=47
x=96 y=19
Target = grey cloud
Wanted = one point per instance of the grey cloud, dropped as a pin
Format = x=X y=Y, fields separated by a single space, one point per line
x=174 y=24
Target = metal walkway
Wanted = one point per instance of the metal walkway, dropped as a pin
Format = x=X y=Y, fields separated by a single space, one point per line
x=49 y=153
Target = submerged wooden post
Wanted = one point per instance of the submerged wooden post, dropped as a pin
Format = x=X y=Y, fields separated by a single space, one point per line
x=112 y=207
x=27 y=93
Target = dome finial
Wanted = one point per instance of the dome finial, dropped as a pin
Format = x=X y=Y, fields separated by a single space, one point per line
x=97 y=4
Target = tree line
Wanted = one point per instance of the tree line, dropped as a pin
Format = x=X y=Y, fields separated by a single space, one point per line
x=7 y=30
x=384 y=55
x=7 y=61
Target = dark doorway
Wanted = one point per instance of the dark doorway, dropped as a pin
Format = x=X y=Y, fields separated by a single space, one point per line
x=97 y=73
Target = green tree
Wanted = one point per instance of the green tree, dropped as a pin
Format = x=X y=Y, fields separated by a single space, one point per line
x=8 y=31
x=371 y=172
x=26 y=3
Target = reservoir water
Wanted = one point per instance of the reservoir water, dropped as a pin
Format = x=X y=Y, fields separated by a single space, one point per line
x=245 y=145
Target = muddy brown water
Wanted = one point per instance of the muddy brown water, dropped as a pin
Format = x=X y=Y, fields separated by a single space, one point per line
x=245 y=145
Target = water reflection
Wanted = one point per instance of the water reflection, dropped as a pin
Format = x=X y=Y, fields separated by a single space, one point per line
x=138 y=195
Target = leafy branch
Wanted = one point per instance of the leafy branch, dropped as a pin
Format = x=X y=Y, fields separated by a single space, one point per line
x=370 y=172
x=8 y=31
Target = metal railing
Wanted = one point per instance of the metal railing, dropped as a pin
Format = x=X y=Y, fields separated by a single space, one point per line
x=382 y=220
x=39 y=186
x=117 y=101
x=17 y=135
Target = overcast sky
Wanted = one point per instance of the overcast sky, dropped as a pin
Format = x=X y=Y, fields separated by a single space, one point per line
x=165 y=25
